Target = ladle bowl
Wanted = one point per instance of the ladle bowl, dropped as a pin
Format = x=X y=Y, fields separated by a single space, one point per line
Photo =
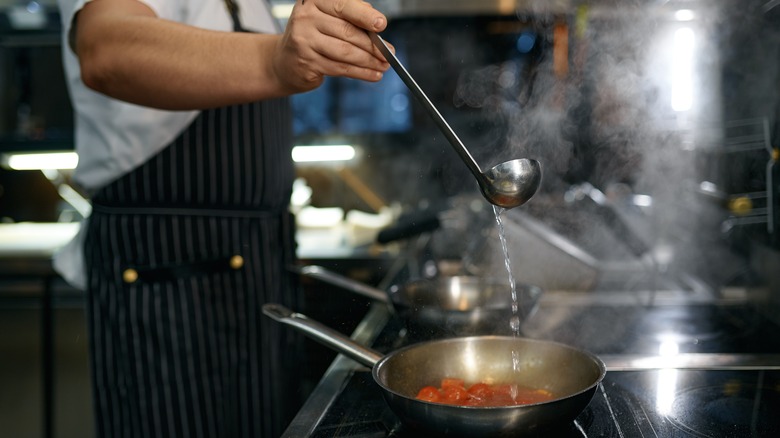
x=507 y=185
x=512 y=183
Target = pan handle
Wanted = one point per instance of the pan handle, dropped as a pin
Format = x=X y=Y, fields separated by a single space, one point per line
x=334 y=279
x=323 y=334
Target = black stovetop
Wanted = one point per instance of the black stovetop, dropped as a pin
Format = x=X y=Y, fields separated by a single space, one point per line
x=659 y=403
x=725 y=327
x=637 y=403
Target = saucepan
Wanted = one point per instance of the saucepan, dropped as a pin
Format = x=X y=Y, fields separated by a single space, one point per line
x=445 y=305
x=570 y=374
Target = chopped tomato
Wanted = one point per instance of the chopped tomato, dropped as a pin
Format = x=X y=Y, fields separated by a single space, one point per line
x=453 y=391
x=429 y=393
x=454 y=394
x=448 y=382
x=504 y=390
x=481 y=391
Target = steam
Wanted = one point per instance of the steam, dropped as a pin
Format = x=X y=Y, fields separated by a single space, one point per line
x=610 y=123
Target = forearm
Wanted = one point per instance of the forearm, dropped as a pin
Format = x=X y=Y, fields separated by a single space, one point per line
x=145 y=60
x=128 y=53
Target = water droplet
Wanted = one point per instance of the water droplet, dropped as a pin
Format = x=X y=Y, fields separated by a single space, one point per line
x=514 y=323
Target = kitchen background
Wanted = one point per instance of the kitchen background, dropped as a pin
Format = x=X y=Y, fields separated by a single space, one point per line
x=655 y=121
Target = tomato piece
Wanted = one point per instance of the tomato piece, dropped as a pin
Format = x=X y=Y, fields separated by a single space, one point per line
x=453 y=391
x=454 y=394
x=473 y=401
x=449 y=382
x=502 y=400
x=481 y=391
x=504 y=390
x=430 y=394
x=503 y=395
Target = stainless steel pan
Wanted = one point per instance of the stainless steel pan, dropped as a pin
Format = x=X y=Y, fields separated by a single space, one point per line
x=571 y=374
x=445 y=305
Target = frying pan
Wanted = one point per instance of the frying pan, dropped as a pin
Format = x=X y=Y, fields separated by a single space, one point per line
x=572 y=375
x=444 y=305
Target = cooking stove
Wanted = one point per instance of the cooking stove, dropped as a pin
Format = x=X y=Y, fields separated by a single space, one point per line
x=730 y=387
x=722 y=326
x=657 y=403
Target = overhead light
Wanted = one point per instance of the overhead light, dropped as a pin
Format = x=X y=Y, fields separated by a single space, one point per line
x=321 y=153
x=682 y=69
x=684 y=15
x=41 y=161
x=643 y=200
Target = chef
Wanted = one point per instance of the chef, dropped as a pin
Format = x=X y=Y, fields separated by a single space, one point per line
x=183 y=134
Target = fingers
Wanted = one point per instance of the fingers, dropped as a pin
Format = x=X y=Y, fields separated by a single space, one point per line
x=346 y=34
x=357 y=12
x=329 y=37
x=339 y=58
x=342 y=69
x=348 y=20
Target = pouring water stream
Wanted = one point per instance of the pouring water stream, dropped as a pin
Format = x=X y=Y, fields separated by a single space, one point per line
x=514 y=321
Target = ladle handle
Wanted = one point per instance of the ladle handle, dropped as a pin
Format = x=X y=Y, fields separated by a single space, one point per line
x=426 y=103
x=322 y=334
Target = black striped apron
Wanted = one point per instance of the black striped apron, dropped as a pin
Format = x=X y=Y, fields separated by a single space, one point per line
x=182 y=252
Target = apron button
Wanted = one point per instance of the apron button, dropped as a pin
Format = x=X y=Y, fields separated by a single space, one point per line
x=236 y=262
x=130 y=275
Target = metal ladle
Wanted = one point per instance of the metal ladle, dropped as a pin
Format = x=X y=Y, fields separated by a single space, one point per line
x=509 y=184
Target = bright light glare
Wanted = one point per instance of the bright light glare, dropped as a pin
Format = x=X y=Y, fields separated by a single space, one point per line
x=682 y=69
x=668 y=348
x=643 y=200
x=338 y=152
x=43 y=161
x=469 y=358
x=684 y=15
x=667 y=379
x=665 y=390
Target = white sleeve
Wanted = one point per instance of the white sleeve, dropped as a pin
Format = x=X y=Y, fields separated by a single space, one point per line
x=168 y=9
x=68 y=9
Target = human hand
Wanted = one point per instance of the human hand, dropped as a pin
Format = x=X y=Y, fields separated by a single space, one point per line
x=328 y=38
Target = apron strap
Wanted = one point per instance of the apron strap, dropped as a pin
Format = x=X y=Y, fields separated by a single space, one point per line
x=232 y=8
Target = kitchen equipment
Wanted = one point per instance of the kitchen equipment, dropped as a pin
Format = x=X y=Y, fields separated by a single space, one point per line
x=445 y=305
x=509 y=184
x=727 y=350
x=571 y=374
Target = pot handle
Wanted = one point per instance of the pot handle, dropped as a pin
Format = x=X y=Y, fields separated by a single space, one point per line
x=323 y=334
x=334 y=279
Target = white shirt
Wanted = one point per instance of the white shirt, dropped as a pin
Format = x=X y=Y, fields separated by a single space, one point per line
x=114 y=137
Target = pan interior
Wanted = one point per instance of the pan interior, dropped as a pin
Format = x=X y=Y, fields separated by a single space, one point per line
x=557 y=368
